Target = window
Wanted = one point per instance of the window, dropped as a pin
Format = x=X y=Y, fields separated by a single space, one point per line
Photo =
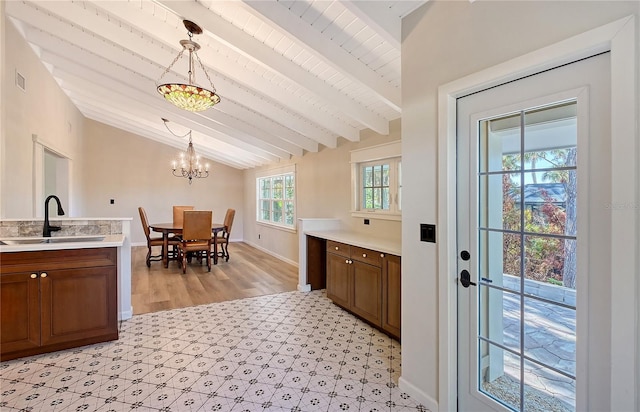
x=380 y=185
x=377 y=182
x=276 y=199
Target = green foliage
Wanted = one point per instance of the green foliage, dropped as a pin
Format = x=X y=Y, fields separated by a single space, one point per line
x=544 y=255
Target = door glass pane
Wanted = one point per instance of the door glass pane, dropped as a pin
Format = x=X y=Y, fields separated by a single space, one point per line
x=502 y=325
x=544 y=262
x=501 y=195
x=500 y=143
x=550 y=335
x=546 y=390
x=500 y=375
x=527 y=253
x=499 y=259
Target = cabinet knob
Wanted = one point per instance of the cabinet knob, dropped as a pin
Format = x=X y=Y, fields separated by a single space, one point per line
x=381 y=255
x=33 y=276
x=364 y=255
x=346 y=261
x=43 y=275
x=337 y=248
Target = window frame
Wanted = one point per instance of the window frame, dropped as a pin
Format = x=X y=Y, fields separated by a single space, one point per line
x=272 y=176
x=388 y=153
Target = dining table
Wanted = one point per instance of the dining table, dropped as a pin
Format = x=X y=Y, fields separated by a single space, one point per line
x=176 y=229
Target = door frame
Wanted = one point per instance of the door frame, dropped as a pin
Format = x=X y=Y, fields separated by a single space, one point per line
x=618 y=37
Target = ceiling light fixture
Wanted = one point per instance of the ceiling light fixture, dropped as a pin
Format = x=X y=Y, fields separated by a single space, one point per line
x=190 y=166
x=189 y=96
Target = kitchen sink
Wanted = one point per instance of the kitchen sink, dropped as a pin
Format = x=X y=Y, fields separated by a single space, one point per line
x=59 y=239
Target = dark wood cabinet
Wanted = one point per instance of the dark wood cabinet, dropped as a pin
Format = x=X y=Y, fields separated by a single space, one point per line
x=366 y=298
x=365 y=282
x=391 y=290
x=54 y=300
x=339 y=280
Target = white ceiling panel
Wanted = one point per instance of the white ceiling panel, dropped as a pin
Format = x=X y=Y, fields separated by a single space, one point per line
x=293 y=75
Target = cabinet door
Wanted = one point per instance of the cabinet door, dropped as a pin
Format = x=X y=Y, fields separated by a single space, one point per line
x=78 y=304
x=19 y=312
x=367 y=292
x=391 y=289
x=338 y=280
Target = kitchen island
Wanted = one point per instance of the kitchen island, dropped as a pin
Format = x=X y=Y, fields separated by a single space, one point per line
x=57 y=293
x=116 y=232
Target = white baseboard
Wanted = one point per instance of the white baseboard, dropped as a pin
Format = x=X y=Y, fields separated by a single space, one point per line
x=128 y=314
x=304 y=288
x=418 y=395
x=284 y=259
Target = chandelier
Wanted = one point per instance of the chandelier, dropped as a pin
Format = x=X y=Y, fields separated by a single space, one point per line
x=189 y=96
x=188 y=165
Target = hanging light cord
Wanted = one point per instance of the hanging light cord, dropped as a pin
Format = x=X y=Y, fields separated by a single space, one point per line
x=165 y=121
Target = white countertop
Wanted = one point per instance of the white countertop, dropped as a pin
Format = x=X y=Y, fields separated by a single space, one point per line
x=108 y=241
x=393 y=247
x=61 y=218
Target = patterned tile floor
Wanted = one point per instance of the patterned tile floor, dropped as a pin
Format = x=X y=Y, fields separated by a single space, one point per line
x=287 y=352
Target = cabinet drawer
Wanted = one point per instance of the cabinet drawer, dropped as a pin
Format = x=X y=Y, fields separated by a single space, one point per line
x=339 y=248
x=58 y=259
x=366 y=255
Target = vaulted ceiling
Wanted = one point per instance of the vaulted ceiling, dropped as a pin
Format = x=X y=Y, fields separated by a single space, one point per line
x=293 y=75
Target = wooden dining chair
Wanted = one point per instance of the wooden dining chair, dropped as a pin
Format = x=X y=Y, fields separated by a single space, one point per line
x=196 y=236
x=178 y=213
x=153 y=241
x=222 y=239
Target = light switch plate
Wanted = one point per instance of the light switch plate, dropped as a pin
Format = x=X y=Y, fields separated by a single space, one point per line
x=427 y=233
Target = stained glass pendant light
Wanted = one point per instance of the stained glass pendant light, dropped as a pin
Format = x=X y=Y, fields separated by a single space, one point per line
x=189 y=96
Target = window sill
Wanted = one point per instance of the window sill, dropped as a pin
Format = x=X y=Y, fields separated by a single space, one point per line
x=377 y=215
x=283 y=228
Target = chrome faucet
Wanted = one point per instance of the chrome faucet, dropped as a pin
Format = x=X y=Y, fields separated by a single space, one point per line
x=46 y=231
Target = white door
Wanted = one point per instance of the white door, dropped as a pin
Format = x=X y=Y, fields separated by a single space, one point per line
x=533 y=290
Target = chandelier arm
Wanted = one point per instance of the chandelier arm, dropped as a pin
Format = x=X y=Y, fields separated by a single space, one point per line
x=170 y=66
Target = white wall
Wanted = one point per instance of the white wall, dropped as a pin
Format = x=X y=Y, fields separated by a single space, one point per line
x=323 y=191
x=442 y=42
x=43 y=110
x=135 y=171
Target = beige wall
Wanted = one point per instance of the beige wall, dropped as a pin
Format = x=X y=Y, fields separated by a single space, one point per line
x=135 y=171
x=43 y=110
x=444 y=41
x=106 y=162
x=323 y=191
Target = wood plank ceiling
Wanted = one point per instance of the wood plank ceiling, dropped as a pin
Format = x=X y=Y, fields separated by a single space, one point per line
x=293 y=75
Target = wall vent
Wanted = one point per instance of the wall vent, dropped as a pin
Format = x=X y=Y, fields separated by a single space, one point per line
x=21 y=82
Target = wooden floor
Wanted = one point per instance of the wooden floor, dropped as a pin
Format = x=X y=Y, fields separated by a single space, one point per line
x=249 y=272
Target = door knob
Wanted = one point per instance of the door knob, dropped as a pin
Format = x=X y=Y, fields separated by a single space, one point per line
x=465 y=279
x=465 y=255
